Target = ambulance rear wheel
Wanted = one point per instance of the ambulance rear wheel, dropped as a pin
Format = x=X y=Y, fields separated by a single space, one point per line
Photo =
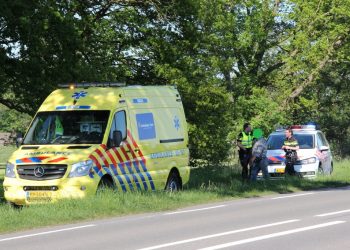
x=173 y=183
x=105 y=183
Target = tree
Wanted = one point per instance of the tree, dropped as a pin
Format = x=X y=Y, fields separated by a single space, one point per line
x=13 y=121
x=268 y=62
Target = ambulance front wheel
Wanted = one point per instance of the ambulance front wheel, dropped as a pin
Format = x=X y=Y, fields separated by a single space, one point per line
x=14 y=205
x=174 y=182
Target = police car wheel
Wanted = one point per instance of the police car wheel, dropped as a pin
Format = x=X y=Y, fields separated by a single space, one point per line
x=173 y=184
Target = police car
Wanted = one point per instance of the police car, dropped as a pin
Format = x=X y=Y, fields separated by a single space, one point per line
x=314 y=154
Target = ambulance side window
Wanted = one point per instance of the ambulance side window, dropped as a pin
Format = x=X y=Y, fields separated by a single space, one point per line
x=119 y=123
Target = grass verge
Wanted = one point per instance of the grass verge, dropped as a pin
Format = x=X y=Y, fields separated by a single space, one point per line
x=206 y=185
x=5 y=152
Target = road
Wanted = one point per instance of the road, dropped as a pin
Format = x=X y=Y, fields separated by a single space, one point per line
x=306 y=220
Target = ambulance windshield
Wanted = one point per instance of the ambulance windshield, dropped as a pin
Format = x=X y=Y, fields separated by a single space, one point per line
x=67 y=127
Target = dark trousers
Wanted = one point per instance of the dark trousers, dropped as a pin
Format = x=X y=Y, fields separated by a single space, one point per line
x=291 y=158
x=290 y=166
x=260 y=165
x=244 y=157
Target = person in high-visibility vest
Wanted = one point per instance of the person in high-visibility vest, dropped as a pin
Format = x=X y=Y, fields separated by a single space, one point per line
x=245 y=144
x=290 y=146
x=58 y=127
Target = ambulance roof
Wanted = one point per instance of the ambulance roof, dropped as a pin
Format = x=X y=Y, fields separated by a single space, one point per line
x=108 y=98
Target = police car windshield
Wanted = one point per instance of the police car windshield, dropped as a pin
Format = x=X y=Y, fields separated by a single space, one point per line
x=305 y=141
x=67 y=127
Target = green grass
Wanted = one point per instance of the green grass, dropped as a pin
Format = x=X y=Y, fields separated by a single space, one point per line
x=5 y=153
x=226 y=182
x=206 y=185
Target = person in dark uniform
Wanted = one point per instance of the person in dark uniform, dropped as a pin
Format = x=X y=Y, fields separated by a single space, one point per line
x=259 y=161
x=245 y=144
x=290 y=146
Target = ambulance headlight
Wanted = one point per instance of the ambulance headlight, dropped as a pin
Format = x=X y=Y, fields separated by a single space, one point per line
x=80 y=169
x=308 y=161
x=10 y=170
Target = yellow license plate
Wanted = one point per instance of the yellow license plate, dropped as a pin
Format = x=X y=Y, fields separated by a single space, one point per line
x=39 y=196
x=279 y=170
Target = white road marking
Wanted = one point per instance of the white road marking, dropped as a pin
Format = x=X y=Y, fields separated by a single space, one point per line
x=194 y=210
x=268 y=236
x=333 y=213
x=218 y=235
x=291 y=196
x=44 y=233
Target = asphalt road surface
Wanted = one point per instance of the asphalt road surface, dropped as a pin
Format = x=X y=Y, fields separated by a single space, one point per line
x=306 y=220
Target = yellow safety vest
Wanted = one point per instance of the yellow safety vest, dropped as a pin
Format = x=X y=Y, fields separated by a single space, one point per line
x=247 y=140
x=291 y=142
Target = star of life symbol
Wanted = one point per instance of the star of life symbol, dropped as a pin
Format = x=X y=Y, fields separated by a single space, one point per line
x=176 y=122
x=78 y=95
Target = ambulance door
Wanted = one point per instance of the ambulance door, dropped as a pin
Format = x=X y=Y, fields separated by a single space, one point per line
x=129 y=153
x=118 y=152
x=145 y=145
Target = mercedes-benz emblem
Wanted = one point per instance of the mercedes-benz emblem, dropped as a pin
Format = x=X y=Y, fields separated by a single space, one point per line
x=39 y=172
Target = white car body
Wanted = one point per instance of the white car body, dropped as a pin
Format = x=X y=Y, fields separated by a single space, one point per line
x=314 y=155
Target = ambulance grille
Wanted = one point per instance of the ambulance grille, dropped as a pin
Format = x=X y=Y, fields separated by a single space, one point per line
x=41 y=172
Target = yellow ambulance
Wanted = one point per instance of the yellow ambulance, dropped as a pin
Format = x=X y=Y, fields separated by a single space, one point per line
x=90 y=135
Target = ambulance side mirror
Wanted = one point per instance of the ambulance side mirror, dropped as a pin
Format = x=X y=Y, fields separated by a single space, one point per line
x=19 y=139
x=117 y=138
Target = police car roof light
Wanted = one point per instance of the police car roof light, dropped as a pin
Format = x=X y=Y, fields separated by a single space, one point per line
x=91 y=84
x=298 y=127
x=304 y=127
x=309 y=126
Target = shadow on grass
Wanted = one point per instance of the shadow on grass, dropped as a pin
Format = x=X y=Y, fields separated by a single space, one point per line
x=2 y=199
x=227 y=181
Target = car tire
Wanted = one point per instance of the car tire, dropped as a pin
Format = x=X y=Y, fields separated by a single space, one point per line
x=105 y=184
x=331 y=169
x=173 y=183
x=15 y=206
x=320 y=170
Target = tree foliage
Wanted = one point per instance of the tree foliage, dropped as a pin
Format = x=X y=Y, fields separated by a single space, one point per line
x=268 y=62
x=12 y=120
